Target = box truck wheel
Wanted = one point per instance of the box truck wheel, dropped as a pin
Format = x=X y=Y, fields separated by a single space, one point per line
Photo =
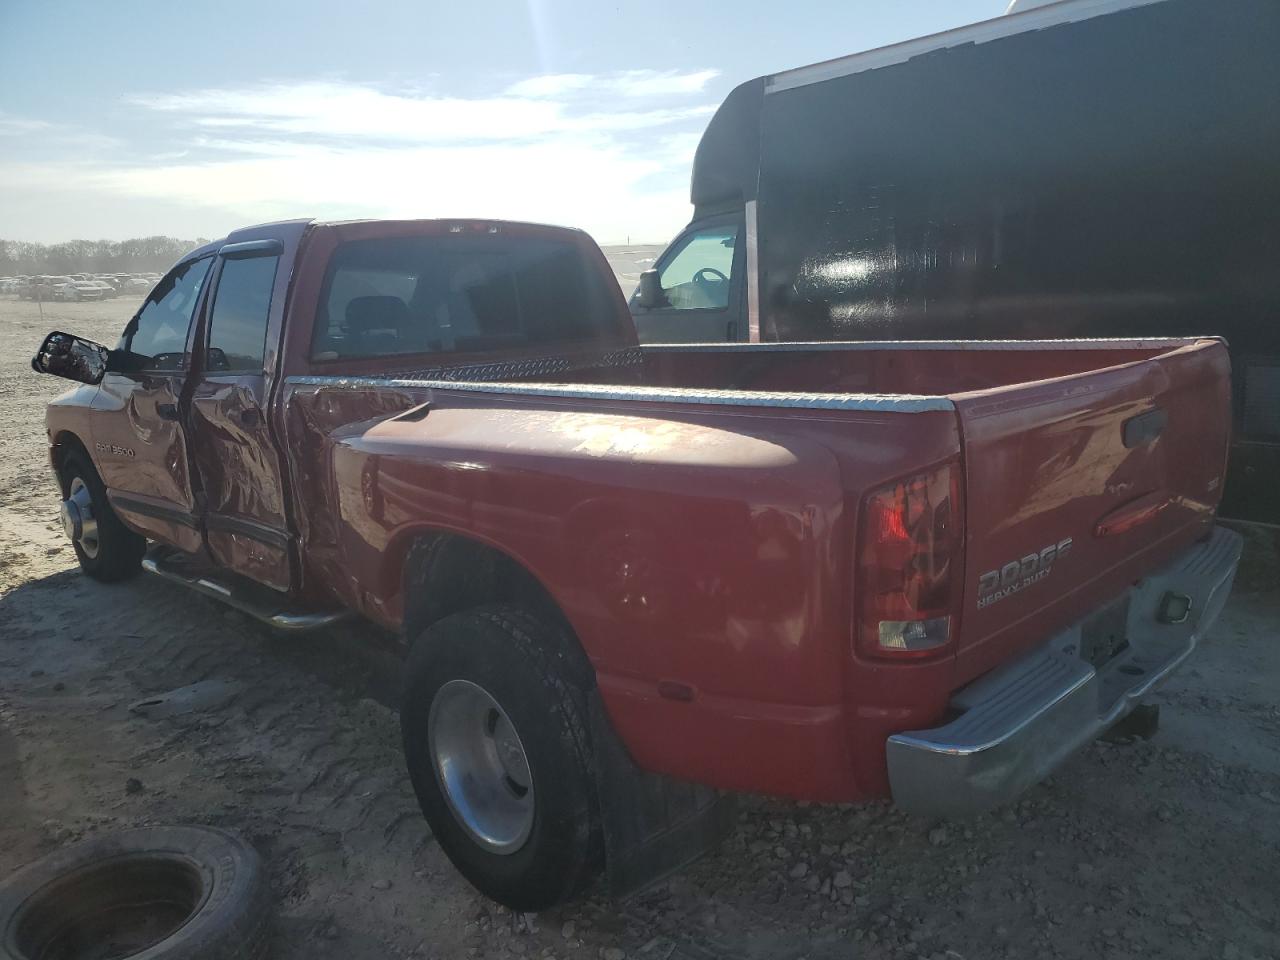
x=496 y=738
x=106 y=548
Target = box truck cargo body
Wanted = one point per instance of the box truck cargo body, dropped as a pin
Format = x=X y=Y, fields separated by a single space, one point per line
x=1087 y=168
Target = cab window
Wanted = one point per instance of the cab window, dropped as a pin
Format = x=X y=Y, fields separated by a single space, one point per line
x=456 y=294
x=699 y=274
x=238 y=320
x=158 y=332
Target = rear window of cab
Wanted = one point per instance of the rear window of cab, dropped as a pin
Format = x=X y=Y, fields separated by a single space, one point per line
x=415 y=295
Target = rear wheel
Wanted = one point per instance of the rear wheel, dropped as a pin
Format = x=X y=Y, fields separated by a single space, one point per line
x=106 y=548
x=494 y=722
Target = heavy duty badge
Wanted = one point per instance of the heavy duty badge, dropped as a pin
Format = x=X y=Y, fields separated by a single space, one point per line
x=995 y=585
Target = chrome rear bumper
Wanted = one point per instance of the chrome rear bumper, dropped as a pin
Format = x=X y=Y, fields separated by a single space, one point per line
x=1022 y=720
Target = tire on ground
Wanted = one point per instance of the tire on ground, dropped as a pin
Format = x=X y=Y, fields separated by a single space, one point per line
x=120 y=550
x=540 y=678
x=166 y=893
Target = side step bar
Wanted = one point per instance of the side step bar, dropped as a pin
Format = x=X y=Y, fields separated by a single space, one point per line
x=258 y=602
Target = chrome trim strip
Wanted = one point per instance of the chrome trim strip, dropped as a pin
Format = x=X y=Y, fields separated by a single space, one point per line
x=753 y=273
x=998 y=28
x=892 y=403
x=801 y=346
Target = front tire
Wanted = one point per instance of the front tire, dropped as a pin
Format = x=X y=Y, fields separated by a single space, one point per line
x=494 y=722
x=107 y=550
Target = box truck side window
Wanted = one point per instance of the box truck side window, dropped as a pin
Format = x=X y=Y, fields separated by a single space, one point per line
x=698 y=276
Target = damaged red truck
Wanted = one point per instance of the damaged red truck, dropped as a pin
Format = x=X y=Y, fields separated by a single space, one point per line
x=832 y=571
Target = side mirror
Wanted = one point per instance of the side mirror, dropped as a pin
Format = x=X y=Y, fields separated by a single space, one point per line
x=63 y=355
x=650 y=294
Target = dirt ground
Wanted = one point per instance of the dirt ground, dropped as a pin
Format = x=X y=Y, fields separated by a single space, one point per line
x=1167 y=848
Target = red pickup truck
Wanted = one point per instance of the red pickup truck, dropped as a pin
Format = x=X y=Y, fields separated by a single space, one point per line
x=827 y=571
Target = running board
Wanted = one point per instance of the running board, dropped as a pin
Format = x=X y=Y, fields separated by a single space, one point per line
x=249 y=598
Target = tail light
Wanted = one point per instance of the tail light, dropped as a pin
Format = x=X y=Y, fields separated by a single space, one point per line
x=908 y=570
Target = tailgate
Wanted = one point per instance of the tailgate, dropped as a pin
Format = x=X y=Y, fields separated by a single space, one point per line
x=1076 y=487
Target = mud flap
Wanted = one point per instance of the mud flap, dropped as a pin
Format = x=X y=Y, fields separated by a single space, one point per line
x=653 y=825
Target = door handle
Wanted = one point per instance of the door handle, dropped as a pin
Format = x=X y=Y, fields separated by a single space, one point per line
x=167 y=411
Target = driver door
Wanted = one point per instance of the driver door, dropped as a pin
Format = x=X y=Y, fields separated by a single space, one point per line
x=140 y=446
x=701 y=274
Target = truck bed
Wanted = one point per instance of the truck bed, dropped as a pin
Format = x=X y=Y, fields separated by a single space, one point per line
x=737 y=528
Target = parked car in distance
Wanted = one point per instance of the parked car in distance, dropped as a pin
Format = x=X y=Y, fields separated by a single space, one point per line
x=1086 y=168
x=44 y=287
x=835 y=572
x=79 y=290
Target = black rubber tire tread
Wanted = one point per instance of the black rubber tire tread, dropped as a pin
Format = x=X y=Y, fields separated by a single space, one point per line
x=120 y=550
x=541 y=678
x=232 y=923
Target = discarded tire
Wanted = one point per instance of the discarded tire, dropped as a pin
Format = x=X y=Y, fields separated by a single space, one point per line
x=154 y=893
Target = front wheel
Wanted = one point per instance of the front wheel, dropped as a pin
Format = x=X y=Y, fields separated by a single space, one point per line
x=494 y=722
x=106 y=548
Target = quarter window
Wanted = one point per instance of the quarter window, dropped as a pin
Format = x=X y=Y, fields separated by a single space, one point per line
x=238 y=323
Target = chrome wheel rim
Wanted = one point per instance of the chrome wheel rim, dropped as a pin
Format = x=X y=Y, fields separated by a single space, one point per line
x=481 y=766
x=78 y=520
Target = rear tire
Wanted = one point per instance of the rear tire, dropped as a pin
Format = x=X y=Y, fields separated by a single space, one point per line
x=116 y=552
x=494 y=722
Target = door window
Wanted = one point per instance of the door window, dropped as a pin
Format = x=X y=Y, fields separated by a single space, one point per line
x=158 y=331
x=699 y=275
x=238 y=323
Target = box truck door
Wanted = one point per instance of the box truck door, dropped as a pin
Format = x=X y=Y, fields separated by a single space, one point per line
x=702 y=298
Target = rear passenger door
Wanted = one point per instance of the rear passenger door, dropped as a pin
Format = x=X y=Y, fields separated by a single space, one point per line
x=232 y=439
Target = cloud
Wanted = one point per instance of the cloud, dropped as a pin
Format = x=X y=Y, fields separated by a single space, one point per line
x=607 y=153
x=650 y=83
x=532 y=108
x=592 y=183
x=627 y=83
x=13 y=126
x=550 y=85
x=34 y=139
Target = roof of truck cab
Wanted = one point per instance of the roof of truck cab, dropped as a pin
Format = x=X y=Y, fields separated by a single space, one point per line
x=252 y=232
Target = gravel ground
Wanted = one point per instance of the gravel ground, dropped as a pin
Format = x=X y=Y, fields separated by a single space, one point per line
x=1165 y=848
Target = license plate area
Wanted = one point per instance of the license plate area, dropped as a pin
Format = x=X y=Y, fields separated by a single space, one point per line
x=1103 y=635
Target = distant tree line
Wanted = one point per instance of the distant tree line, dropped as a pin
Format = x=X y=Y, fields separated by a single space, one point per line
x=140 y=255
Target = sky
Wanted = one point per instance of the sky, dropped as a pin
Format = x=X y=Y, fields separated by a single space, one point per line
x=139 y=118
